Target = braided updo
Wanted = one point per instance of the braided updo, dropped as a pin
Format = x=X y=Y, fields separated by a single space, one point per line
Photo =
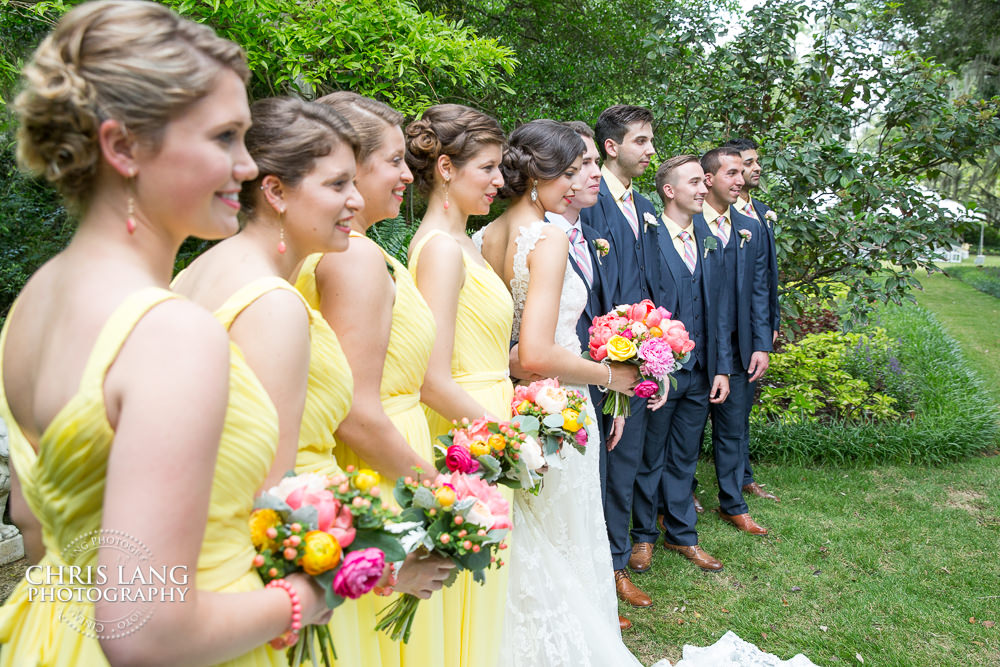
x=134 y=61
x=540 y=150
x=447 y=129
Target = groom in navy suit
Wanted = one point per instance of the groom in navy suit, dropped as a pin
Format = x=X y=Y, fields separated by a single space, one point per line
x=743 y=244
x=624 y=137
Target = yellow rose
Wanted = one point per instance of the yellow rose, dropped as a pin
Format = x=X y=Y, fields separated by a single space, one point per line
x=620 y=348
x=260 y=521
x=523 y=407
x=478 y=448
x=366 y=479
x=322 y=552
x=446 y=496
x=570 y=422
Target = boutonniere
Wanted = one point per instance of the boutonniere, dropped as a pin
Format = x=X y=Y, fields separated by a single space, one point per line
x=602 y=248
x=649 y=220
x=745 y=235
x=711 y=243
x=771 y=217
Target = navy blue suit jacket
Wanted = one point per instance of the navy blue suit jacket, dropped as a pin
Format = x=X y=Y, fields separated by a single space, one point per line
x=608 y=221
x=752 y=325
x=772 y=262
x=718 y=328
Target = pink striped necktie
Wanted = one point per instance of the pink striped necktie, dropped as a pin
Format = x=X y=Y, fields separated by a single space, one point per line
x=723 y=229
x=750 y=211
x=690 y=256
x=628 y=206
x=578 y=245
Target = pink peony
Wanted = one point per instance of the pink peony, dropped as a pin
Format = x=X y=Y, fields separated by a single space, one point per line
x=332 y=516
x=358 y=573
x=676 y=336
x=539 y=385
x=658 y=355
x=653 y=318
x=646 y=388
x=491 y=510
x=599 y=353
x=520 y=394
x=458 y=459
x=637 y=312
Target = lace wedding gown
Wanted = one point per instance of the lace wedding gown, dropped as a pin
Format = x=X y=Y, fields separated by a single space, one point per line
x=561 y=604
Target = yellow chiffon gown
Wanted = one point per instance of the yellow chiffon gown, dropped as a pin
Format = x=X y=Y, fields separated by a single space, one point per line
x=410 y=341
x=479 y=363
x=63 y=484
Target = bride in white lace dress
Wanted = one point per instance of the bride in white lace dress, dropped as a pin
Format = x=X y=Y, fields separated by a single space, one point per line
x=561 y=603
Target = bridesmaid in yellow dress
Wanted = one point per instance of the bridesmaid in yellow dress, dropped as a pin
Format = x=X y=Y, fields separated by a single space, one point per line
x=387 y=343
x=454 y=153
x=132 y=419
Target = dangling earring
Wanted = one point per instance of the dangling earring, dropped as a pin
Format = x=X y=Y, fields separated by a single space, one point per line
x=534 y=191
x=281 y=230
x=446 y=182
x=130 y=216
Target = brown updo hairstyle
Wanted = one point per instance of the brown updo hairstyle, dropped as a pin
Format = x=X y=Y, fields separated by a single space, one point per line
x=447 y=129
x=540 y=150
x=133 y=61
x=286 y=138
x=368 y=117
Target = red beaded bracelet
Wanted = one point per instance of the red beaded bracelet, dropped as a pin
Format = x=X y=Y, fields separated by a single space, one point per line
x=288 y=638
x=393 y=580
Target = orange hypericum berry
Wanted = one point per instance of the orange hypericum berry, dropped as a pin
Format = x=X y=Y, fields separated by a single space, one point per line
x=445 y=538
x=458 y=520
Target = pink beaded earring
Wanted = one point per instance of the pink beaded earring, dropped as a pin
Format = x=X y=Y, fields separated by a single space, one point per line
x=281 y=230
x=446 y=182
x=130 y=216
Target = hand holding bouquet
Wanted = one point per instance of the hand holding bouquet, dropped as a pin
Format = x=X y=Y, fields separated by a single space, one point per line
x=641 y=334
x=561 y=414
x=457 y=516
x=497 y=451
x=333 y=528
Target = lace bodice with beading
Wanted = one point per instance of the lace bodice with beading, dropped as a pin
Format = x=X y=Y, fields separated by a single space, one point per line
x=574 y=291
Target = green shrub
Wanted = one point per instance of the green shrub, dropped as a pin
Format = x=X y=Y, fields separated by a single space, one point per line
x=953 y=417
x=835 y=376
x=983 y=278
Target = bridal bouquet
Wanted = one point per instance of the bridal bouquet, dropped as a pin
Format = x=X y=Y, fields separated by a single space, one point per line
x=499 y=452
x=641 y=334
x=333 y=528
x=561 y=413
x=457 y=516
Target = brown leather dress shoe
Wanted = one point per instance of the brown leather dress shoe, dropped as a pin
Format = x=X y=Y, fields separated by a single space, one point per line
x=744 y=523
x=696 y=555
x=629 y=592
x=624 y=623
x=642 y=556
x=755 y=489
x=697 y=505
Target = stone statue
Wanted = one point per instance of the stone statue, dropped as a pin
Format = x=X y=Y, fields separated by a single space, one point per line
x=11 y=542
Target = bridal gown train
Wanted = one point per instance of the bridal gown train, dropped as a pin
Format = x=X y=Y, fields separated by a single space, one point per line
x=562 y=609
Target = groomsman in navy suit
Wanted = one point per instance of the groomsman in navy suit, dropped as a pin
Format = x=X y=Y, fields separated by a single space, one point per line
x=692 y=282
x=743 y=244
x=591 y=265
x=762 y=213
x=628 y=221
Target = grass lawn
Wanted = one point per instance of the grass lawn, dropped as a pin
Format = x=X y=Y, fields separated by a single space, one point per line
x=895 y=565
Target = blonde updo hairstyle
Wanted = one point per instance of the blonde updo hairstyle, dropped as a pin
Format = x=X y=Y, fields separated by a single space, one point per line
x=286 y=138
x=447 y=129
x=538 y=151
x=133 y=61
x=368 y=117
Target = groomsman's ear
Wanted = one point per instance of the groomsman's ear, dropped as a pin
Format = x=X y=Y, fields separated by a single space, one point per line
x=610 y=148
x=668 y=191
x=708 y=180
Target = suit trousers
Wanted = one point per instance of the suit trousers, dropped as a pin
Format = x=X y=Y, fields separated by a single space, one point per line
x=621 y=469
x=729 y=427
x=673 y=442
x=748 y=401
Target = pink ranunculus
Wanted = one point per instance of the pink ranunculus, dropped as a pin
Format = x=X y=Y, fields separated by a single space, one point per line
x=492 y=509
x=458 y=459
x=599 y=353
x=658 y=355
x=646 y=388
x=627 y=333
x=359 y=572
x=581 y=437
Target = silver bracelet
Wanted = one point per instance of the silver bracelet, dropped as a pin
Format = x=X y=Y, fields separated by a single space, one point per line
x=604 y=389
